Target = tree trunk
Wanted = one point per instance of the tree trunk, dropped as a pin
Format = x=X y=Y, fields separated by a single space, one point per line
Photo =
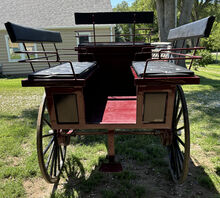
x=184 y=18
x=186 y=12
x=166 y=17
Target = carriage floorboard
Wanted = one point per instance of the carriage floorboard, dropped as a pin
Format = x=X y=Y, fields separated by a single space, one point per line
x=120 y=110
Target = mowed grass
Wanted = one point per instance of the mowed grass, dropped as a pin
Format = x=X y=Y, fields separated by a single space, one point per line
x=204 y=109
x=18 y=111
x=81 y=178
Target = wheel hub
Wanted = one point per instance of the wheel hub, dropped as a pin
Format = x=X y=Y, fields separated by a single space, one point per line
x=166 y=138
x=63 y=138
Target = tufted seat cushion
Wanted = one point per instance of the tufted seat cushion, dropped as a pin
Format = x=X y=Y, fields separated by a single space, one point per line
x=160 y=69
x=64 y=70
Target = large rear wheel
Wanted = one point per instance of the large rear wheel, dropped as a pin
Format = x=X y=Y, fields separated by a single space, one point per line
x=179 y=150
x=51 y=155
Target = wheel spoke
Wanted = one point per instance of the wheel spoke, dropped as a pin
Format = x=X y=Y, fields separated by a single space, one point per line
x=177 y=170
x=55 y=162
x=58 y=157
x=61 y=153
x=179 y=129
x=179 y=165
x=47 y=122
x=49 y=157
x=47 y=135
x=179 y=140
x=177 y=105
x=180 y=154
x=52 y=164
x=179 y=116
x=173 y=164
x=48 y=146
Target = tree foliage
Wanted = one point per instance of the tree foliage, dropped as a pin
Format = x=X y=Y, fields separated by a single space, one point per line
x=200 y=9
x=213 y=42
x=207 y=58
x=204 y=8
x=138 y=5
x=122 y=28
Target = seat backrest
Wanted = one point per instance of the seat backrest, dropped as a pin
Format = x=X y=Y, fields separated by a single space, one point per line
x=114 y=17
x=51 y=56
x=19 y=34
x=196 y=29
x=193 y=31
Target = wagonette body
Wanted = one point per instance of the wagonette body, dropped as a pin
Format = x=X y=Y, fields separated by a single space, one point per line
x=112 y=87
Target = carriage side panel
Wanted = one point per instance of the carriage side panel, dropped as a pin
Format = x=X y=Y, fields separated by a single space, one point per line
x=66 y=107
x=149 y=111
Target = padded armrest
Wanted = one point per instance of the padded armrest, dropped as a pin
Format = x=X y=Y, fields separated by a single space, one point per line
x=160 y=69
x=81 y=69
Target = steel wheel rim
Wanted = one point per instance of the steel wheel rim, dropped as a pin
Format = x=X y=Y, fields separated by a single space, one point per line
x=179 y=150
x=51 y=156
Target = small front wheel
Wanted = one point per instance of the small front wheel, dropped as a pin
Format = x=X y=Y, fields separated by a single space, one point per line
x=51 y=155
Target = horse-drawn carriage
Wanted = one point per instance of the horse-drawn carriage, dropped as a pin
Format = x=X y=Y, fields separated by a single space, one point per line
x=113 y=89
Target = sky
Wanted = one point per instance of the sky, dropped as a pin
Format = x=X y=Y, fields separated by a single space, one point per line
x=115 y=2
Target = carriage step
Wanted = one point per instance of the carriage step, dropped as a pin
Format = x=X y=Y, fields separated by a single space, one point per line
x=111 y=167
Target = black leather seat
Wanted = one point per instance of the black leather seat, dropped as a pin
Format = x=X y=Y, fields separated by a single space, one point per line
x=160 y=69
x=64 y=70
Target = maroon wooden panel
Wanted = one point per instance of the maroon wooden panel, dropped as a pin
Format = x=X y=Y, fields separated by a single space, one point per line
x=114 y=60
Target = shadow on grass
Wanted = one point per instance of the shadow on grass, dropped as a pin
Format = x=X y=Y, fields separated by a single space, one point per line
x=145 y=170
x=201 y=178
x=27 y=114
x=145 y=173
x=75 y=181
x=30 y=115
x=204 y=103
x=9 y=117
x=131 y=183
x=208 y=81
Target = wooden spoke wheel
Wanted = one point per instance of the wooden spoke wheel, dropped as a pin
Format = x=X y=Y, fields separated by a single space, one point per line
x=51 y=155
x=179 y=150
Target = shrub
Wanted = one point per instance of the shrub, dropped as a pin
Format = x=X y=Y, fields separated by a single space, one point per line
x=207 y=58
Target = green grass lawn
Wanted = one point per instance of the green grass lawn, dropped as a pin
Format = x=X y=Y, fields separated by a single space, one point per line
x=204 y=109
x=18 y=111
x=143 y=157
x=218 y=57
